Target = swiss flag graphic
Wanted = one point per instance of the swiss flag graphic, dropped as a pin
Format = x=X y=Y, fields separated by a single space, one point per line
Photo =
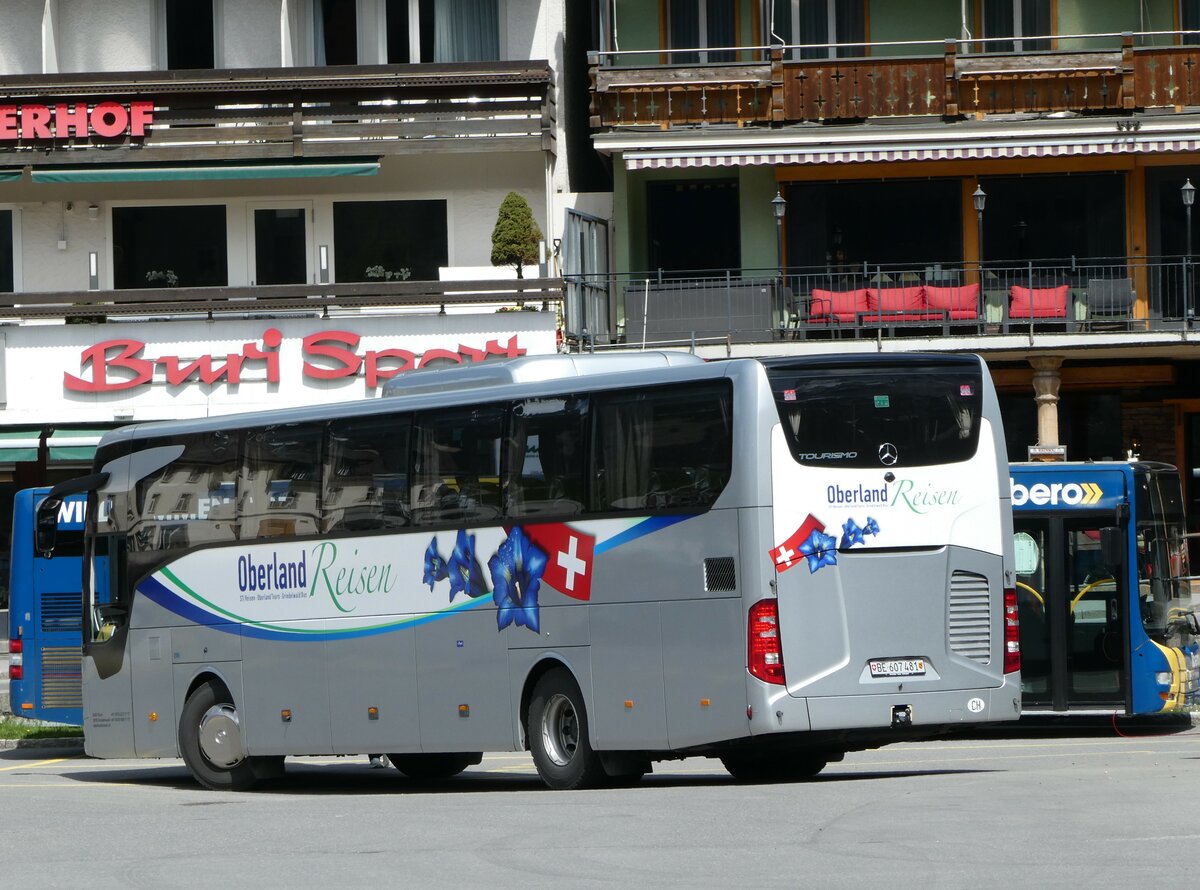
x=788 y=553
x=569 y=558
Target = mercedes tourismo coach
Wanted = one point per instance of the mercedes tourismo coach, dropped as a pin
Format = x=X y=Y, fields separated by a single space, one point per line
x=1107 y=612
x=605 y=560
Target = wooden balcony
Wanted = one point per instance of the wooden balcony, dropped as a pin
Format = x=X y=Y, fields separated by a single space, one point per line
x=285 y=113
x=951 y=85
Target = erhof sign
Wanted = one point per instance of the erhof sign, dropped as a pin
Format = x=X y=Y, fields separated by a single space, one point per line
x=32 y=121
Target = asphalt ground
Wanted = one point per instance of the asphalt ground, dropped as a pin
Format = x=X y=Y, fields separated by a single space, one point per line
x=1031 y=807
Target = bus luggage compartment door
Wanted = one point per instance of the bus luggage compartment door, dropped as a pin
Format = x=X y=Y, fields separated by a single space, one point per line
x=876 y=623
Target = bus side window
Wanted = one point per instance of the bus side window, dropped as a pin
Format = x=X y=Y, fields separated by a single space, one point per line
x=279 y=485
x=456 y=465
x=545 y=468
x=189 y=501
x=366 y=475
x=663 y=449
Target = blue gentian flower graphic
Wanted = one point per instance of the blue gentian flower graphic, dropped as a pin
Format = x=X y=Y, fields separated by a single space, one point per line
x=516 y=576
x=851 y=535
x=818 y=548
x=435 y=567
x=466 y=574
x=871 y=528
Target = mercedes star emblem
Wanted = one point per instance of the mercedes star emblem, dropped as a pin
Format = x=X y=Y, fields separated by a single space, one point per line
x=888 y=454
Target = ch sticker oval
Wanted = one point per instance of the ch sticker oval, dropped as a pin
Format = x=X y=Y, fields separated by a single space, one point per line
x=976 y=706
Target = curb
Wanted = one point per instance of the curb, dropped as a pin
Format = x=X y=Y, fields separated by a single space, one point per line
x=68 y=746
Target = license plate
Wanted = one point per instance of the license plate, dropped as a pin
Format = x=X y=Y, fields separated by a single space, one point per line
x=897 y=667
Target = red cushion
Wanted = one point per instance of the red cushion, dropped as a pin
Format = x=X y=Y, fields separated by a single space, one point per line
x=960 y=302
x=840 y=305
x=1041 y=302
x=896 y=299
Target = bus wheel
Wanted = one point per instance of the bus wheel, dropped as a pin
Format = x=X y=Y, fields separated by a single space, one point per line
x=210 y=739
x=558 y=735
x=430 y=767
x=761 y=768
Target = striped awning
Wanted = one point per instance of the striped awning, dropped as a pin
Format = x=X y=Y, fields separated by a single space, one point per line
x=826 y=154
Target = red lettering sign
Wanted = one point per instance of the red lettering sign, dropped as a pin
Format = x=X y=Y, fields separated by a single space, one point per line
x=328 y=355
x=109 y=120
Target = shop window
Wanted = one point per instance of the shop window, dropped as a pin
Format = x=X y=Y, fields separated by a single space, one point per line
x=443 y=30
x=190 y=30
x=818 y=24
x=693 y=24
x=1017 y=18
x=6 y=251
x=389 y=240
x=178 y=246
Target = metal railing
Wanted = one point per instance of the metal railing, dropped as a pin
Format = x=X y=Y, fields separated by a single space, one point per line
x=1073 y=295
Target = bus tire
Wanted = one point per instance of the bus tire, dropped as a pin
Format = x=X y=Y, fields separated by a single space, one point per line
x=431 y=767
x=761 y=769
x=558 y=735
x=210 y=740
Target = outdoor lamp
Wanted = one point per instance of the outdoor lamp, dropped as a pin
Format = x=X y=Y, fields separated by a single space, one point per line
x=779 y=205
x=1189 y=193
x=980 y=198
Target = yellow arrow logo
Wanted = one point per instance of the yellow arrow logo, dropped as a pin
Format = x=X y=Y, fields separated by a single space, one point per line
x=1091 y=492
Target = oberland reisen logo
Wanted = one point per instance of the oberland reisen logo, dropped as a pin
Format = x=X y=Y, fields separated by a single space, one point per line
x=888 y=454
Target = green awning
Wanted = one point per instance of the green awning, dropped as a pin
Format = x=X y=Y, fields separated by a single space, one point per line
x=194 y=172
x=73 y=446
x=9 y=175
x=19 y=445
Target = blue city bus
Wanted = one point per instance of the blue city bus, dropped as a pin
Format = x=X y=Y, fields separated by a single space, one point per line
x=1107 y=615
x=44 y=613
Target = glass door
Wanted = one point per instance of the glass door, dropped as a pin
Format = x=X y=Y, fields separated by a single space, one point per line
x=1073 y=611
x=280 y=252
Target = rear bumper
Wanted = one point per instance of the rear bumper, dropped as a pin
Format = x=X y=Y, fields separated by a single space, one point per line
x=931 y=710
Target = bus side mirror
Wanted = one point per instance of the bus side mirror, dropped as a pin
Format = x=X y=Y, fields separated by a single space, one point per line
x=47 y=526
x=1112 y=546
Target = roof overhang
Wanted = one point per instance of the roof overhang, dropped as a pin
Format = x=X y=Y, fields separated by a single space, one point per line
x=874 y=143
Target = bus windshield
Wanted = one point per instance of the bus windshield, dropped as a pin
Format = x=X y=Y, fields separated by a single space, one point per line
x=1165 y=588
x=851 y=417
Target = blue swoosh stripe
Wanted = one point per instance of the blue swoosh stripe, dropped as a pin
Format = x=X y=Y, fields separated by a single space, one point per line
x=643 y=528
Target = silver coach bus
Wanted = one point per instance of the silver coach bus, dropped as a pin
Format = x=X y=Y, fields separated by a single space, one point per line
x=606 y=561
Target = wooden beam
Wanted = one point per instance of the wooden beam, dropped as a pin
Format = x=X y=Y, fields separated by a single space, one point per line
x=1089 y=377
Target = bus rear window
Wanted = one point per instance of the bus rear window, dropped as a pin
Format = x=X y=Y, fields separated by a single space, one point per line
x=908 y=415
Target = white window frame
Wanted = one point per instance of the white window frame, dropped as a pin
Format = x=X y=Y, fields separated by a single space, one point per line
x=160 y=34
x=830 y=28
x=305 y=206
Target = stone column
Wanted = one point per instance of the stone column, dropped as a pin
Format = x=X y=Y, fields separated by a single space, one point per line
x=1046 y=380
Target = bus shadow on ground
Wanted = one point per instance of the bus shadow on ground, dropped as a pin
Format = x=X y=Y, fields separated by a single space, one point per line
x=318 y=780
x=1036 y=726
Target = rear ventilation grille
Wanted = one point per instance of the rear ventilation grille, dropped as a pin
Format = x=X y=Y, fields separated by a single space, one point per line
x=61 y=612
x=719 y=573
x=62 y=685
x=970 y=628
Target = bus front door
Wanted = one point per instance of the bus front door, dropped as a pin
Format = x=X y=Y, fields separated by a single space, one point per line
x=1073 y=611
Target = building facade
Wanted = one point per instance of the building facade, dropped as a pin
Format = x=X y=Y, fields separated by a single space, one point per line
x=219 y=205
x=1010 y=177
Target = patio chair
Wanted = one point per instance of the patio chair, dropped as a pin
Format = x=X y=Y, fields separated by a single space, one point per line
x=1109 y=301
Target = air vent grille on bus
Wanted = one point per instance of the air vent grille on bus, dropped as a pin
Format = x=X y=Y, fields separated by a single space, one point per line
x=970 y=617
x=62 y=683
x=719 y=573
x=61 y=612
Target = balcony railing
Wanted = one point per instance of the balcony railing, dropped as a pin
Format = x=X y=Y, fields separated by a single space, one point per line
x=1119 y=295
x=1112 y=72
x=285 y=113
x=312 y=299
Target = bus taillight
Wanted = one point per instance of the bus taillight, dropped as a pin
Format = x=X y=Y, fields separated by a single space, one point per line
x=1012 y=631
x=16 y=659
x=764 y=651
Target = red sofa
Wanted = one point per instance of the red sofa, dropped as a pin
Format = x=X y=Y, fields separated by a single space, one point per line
x=1038 y=302
x=895 y=305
